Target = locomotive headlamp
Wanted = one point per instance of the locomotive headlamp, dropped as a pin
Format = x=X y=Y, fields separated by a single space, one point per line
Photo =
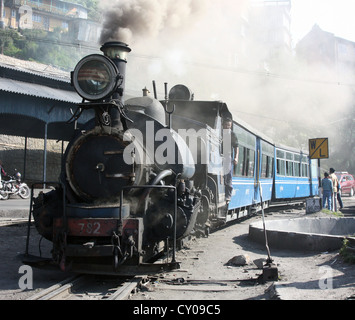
x=95 y=77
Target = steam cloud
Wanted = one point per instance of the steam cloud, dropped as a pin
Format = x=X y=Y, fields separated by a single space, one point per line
x=126 y=19
x=199 y=43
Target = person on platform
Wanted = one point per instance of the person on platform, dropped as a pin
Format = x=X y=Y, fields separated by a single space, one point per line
x=327 y=186
x=335 y=189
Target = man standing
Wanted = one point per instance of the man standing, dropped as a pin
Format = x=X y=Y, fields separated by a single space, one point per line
x=327 y=186
x=335 y=188
x=232 y=153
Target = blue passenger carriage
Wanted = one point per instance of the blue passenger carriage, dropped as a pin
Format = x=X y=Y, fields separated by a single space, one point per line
x=295 y=174
x=253 y=175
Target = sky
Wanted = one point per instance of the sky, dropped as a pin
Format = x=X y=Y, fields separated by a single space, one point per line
x=334 y=16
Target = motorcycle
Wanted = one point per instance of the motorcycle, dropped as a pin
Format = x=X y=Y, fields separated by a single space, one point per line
x=14 y=186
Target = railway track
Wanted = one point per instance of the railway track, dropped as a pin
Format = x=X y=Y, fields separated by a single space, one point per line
x=90 y=287
x=4 y=222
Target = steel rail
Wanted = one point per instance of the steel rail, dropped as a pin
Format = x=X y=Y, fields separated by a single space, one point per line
x=63 y=290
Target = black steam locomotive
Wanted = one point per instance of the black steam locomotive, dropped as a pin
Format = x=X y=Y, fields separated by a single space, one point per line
x=144 y=174
x=130 y=187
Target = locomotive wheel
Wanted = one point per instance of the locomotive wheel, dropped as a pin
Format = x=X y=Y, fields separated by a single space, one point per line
x=115 y=258
x=207 y=231
x=203 y=215
x=45 y=207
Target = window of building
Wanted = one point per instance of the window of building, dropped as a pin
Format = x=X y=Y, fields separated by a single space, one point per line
x=36 y=18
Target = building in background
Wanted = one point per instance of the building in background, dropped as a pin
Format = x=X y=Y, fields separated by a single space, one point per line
x=329 y=52
x=269 y=31
x=50 y=15
x=41 y=14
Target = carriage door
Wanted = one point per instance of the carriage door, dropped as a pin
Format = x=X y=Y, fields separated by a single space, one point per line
x=257 y=172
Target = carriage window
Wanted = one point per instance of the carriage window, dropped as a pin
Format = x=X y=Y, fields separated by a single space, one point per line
x=280 y=154
x=267 y=161
x=280 y=163
x=289 y=168
x=264 y=166
x=246 y=163
x=267 y=167
x=297 y=169
x=250 y=165
x=280 y=167
x=270 y=172
x=289 y=156
x=238 y=169
x=297 y=165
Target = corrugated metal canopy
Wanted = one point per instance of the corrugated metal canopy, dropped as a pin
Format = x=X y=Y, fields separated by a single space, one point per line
x=27 y=99
x=23 y=126
x=36 y=90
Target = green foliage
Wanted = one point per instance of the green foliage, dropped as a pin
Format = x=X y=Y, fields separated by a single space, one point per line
x=51 y=48
x=347 y=252
x=337 y=214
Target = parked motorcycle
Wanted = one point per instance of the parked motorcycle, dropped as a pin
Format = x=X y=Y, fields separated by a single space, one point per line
x=14 y=186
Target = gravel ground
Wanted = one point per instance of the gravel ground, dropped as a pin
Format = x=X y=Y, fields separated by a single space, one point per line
x=205 y=273
x=302 y=275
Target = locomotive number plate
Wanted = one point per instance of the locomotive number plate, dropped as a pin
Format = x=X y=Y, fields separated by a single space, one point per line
x=92 y=227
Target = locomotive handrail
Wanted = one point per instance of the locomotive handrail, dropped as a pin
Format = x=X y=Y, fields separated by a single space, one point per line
x=215 y=197
x=175 y=207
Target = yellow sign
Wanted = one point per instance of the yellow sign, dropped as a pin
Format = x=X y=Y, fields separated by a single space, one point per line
x=318 y=148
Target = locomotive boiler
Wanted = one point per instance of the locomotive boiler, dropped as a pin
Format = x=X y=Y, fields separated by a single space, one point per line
x=126 y=190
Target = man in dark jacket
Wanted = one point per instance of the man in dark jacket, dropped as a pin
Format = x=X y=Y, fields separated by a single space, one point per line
x=231 y=157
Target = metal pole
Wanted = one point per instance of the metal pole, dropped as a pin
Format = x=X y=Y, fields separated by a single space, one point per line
x=2 y=22
x=175 y=220
x=29 y=223
x=25 y=159
x=45 y=155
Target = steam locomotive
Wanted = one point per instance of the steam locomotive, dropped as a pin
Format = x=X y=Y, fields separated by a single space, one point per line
x=144 y=174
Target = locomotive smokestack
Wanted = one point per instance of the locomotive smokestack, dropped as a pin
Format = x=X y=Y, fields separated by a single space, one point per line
x=117 y=51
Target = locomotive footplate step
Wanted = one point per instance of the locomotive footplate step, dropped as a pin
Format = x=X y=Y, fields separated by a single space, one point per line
x=125 y=270
x=35 y=261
